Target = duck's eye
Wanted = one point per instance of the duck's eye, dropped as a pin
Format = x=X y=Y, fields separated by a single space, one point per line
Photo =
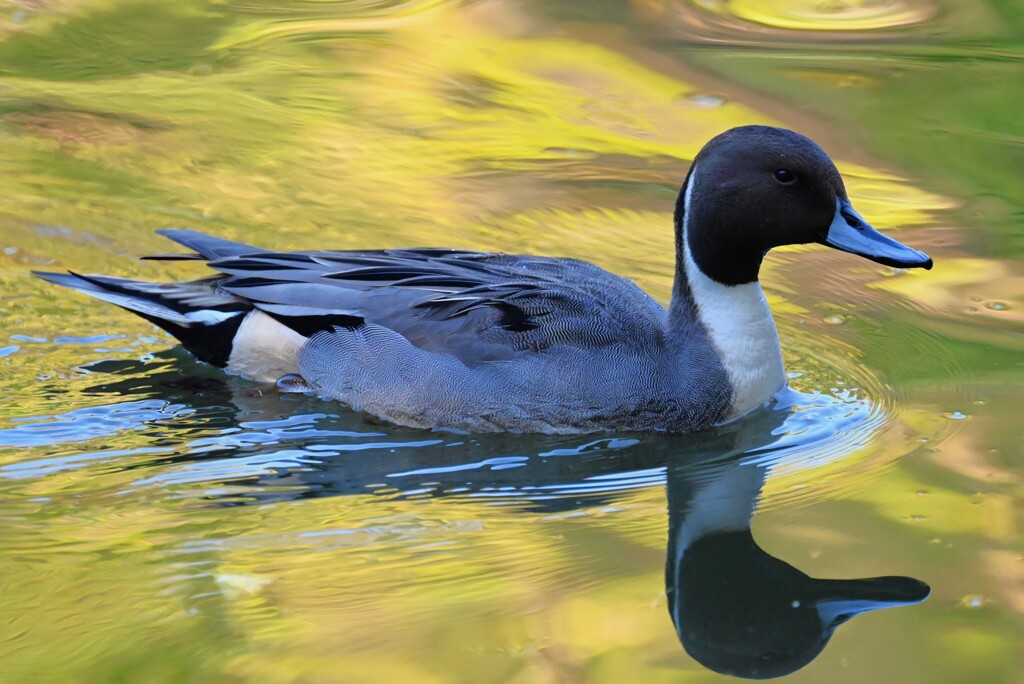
x=785 y=176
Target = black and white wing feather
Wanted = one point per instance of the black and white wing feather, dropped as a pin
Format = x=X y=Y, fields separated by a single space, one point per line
x=476 y=306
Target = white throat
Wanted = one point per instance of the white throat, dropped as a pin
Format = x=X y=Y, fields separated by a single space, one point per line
x=740 y=324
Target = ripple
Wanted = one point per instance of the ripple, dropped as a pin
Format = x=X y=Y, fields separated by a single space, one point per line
x=319 y=453
x=334 y=18
x=226 y=443
x=702 y=100
x=825 y=15
x=83 y=424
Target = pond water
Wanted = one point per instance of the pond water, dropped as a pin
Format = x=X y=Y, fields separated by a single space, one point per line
x=164 y=522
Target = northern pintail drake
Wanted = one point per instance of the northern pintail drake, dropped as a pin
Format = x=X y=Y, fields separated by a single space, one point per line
x=478 y=342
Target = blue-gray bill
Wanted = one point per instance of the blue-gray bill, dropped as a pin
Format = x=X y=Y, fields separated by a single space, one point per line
x=851 y=233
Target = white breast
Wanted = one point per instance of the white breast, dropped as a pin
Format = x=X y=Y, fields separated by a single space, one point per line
x=740 y=324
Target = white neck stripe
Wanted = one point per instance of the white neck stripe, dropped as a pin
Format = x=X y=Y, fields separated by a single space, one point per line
x=741 y=327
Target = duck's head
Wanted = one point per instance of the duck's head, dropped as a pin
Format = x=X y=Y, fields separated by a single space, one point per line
x=753 y=188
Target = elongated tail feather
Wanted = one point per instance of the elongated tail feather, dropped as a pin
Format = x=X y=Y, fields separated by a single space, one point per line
x=202 y=319
x=207 y=246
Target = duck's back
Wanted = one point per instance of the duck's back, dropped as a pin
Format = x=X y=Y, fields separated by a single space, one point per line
x=478 y=307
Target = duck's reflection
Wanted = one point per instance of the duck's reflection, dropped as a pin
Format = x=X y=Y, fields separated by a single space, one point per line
x=737 y=609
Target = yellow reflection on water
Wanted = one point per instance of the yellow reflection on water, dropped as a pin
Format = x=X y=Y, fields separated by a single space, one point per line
x=825 y=15
x=417 y=136
x=304 y=125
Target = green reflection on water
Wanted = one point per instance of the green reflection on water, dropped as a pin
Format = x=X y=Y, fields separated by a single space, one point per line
x=521 y=128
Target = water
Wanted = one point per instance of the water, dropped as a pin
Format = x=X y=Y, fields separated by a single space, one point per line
x=165 y=523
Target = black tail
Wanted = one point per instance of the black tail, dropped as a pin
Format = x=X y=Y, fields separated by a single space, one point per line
x=201 y=318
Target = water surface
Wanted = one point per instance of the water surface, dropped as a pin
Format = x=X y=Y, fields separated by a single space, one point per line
x=163 y=522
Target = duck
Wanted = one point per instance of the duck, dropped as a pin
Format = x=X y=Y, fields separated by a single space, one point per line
x=468 y=341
